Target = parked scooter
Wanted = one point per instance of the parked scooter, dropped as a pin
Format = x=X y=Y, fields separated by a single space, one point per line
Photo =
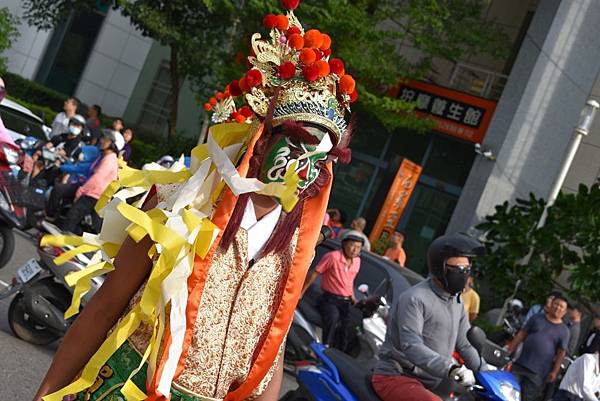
x=337 y=376
x=9 y=158
x=41 y=295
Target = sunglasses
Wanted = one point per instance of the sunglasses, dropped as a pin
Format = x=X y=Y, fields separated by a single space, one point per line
x=464 y=268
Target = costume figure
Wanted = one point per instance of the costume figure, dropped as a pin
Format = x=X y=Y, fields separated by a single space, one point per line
x=210 y=318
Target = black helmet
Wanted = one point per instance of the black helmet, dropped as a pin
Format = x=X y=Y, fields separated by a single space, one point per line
x=448 y=246
x=353 y=236
x=327 y=232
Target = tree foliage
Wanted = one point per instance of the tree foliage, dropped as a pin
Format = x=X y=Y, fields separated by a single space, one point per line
x=8 y=33
x=209 y=39
x=565 y=251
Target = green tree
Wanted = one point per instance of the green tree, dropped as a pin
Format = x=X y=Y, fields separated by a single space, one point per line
x=565 y=252
x=206 y=36
x=8 y=33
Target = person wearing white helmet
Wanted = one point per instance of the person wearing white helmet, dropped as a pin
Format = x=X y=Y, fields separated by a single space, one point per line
x=69 y=142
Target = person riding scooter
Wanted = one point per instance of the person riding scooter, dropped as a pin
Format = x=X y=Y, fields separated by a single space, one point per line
x=69 y=142
x=427 y=324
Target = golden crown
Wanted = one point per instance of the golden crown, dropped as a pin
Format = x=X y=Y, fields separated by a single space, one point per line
x=296 y=64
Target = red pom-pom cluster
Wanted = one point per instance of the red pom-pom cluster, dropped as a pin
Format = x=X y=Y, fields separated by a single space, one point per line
x=290 y=4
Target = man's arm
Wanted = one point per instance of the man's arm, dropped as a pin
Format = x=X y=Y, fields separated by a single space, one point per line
x=519 y=338
x=309 y=281
x=409 y=313
x=464 y=347
x=558 y=359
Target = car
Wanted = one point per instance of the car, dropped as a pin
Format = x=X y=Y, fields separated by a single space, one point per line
x=20 y=122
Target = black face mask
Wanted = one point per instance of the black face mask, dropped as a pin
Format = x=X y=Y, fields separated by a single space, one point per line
x=455 y=281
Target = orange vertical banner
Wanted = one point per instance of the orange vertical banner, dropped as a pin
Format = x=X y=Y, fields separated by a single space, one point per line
x=395 y=203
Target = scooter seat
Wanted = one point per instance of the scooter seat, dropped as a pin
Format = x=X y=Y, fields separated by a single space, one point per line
x=354 y=375
x=310 y=312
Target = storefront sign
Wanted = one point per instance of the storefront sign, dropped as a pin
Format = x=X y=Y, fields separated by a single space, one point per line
x=394 y=205
x=455 y=113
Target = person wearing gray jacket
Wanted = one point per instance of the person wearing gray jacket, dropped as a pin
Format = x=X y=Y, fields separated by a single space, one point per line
x=428 y=323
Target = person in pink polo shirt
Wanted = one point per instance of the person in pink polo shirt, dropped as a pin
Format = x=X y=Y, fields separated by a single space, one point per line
x=105 y=171
x=338 y=269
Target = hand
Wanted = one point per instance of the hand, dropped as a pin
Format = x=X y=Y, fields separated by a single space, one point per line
x=462 y=375
x=552 y=377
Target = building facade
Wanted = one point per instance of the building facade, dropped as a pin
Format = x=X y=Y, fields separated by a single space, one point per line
x=100 y=58
x=539 y=91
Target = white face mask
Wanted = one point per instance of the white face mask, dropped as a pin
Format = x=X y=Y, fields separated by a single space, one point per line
x=74 y=130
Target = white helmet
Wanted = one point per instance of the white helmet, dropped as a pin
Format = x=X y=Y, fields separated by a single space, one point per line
x=516 y=304
x=119 y=140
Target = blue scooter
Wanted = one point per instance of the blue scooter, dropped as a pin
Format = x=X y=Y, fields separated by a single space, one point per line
x=337 y=376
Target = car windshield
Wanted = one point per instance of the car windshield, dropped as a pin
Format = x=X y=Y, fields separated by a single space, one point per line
x=21 y=123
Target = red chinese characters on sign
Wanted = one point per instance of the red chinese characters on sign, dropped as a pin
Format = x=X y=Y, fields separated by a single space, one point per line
x=395 y=203
x=455 y=113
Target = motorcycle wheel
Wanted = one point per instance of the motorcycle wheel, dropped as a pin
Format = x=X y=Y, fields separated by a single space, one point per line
x=7 y=245
x=21 y=322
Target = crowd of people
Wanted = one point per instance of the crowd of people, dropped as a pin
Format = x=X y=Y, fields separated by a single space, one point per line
x=430 y=321
x=87 y=163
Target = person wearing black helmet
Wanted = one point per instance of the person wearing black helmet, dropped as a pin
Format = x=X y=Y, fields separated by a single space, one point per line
x=338 y=269
x=427 y=324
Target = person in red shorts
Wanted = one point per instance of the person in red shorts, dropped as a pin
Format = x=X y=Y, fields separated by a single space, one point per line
x=428 y=323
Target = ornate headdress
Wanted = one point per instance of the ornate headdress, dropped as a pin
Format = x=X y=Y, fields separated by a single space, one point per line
x=294 y=65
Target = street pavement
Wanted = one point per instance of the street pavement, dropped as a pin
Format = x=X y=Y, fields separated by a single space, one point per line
x=22 y=365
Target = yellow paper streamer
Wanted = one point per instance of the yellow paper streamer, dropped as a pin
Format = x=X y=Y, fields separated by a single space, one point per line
x=82 y=280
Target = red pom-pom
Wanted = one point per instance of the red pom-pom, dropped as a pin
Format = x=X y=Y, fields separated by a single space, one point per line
x=347 y=84
x=326 y=52
x=253 y=78
x=353 y=96
x=319 y=54
x=246 y=111
x=244 y=85
x=290 y=4
x=287 y=70
x=307 y=56
x=310 y=73
x=219 y=95
x=326 y=42
x=296 y=41
x=270 y=21
x=240 y=119
x=313 y=38
x=292 y=30
x=212 y=101
x=323 y=67
x=226 y=93
x=282 y=23
x=207 y=106
x=234 y=88
x=337 y=66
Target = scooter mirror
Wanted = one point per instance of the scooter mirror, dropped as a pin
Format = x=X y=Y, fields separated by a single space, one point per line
x=476 y=337
x=364 y=288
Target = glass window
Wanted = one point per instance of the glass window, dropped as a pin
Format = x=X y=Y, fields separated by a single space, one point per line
x=155 y=113
x=21 y=123
x=349 y=186
x=449 y=161
x=67 y=63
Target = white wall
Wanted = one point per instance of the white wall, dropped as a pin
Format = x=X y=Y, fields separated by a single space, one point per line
x=114 y=65
x=25 y=54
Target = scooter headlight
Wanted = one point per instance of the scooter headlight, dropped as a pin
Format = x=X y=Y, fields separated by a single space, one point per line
x=509 y=392
x=12 y=156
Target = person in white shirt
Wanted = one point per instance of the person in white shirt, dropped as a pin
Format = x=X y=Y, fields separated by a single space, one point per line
x=582 y=380
x=60 y=125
